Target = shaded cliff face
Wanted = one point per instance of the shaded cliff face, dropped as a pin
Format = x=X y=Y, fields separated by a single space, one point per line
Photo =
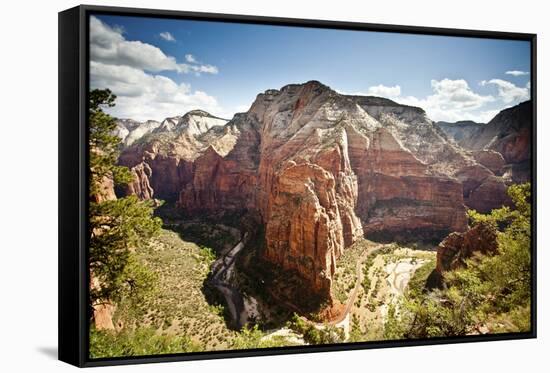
x=509 y=135
x=503 y=147
x=318 y=170
x=460 y=130
x=162 y=159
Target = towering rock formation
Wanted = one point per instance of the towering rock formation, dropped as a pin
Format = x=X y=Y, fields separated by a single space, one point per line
x=454 y=251
x=318 y=169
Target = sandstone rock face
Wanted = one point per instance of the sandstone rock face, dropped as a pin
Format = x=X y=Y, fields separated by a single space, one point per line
x=103 y=316
x=318 y=169
x=502 y=146
x=167 y=154
x=399 y=192
x=453 y=251
x=140 y=186
x=491 y=193
x=491 y=159
x=507 y=133
x=106 y=192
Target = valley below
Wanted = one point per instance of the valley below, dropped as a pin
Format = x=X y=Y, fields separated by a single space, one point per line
x=210 y=306
x=321 y=218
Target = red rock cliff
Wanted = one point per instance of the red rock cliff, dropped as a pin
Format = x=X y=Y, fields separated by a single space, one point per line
x=319 y=169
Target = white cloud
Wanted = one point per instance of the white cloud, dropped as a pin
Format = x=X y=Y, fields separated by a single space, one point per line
x=516 y=72
x=167 y=36
x=190 y=58
x=130 y=70
x=457 y=94
x=384 y=91
x=452 y=100
x=509 y=92
x=143 y=96
x=108 y=45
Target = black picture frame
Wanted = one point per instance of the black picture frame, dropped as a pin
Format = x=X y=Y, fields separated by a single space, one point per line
x=73 y=181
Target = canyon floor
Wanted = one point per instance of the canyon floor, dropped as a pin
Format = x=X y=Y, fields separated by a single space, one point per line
x=203 y=295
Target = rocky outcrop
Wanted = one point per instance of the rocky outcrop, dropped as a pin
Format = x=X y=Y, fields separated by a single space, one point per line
x=456 y=248
x=430 y=145
x=491 y=159
x=102 y=311
x=106 y=191
x=167 y=154
x=304 y=229
x=103 y=316
x=195 y=122
x=140 y=186
x=317 y=170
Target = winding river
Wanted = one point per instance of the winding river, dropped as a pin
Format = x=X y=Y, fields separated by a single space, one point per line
x=222 y=270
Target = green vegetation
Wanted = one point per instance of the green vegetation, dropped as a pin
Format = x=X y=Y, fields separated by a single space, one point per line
x=356 y=334
x=346 y=276
x=103 y=145
x=367 y=281
x=120 y=230
x=316 y=335
x=138 y=342
x=181 y=304
x=118 y=227
x=417 y=283
x=491 y=294
x=158 y=280
x=212 y=235
x=254 y=338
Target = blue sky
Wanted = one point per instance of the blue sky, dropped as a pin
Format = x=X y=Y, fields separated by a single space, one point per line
x=162 y=67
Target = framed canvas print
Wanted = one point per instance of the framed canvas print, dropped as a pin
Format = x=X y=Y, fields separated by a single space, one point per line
x=234 y=186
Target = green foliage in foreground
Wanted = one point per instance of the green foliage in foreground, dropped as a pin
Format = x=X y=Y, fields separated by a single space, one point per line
x=139 y=342
x=492 y=294
x=104 y=144
x=312 y=335
x=117 y=227
x=254 y=338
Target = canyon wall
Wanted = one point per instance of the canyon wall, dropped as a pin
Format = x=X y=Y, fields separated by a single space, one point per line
x=319 y=169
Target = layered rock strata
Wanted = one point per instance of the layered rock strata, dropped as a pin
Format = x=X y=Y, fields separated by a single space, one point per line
x=318 y=169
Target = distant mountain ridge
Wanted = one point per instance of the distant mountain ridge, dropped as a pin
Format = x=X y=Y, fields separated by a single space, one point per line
x=508 y=134
x=194 y=122
x=459 y=130
x=316 y=170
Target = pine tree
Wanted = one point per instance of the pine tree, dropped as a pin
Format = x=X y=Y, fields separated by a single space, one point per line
x=104 y=145
x=117 y=227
